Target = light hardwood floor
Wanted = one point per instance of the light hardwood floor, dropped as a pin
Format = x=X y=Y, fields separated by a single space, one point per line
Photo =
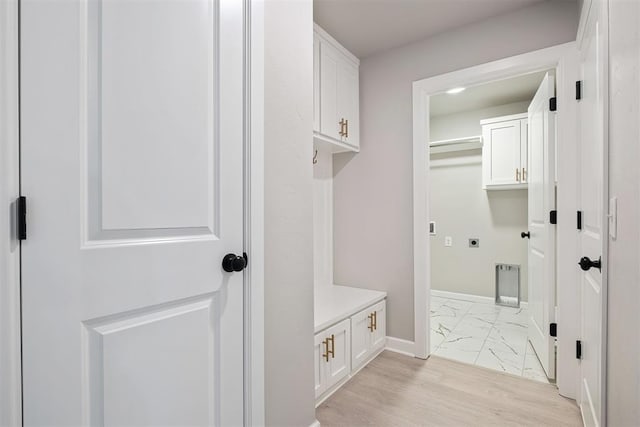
x=397 y=390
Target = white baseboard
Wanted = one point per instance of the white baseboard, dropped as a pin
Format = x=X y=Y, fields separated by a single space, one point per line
x=468 y=297
x=398 y=345
x=316 y=423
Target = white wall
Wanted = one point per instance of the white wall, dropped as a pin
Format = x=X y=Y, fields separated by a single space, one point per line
x=288 y=118
x=623 y=364
x=323 y=218
x=373 y=196
x=467 y=123
x=463 y=210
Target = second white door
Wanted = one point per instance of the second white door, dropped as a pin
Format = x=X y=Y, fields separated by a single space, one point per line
x=541 y=179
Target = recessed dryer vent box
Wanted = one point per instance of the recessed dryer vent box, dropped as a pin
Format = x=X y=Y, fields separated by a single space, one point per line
x=508 y=285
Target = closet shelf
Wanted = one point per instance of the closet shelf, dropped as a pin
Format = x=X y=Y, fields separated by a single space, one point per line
x=457 y=144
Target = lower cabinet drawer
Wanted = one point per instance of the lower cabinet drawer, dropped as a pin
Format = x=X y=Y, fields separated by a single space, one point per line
x=332 y=356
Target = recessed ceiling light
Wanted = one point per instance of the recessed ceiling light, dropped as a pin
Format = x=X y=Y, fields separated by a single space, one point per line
x=455 y=90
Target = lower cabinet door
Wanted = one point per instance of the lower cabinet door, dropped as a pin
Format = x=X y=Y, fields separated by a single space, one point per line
x=379 y=334
x=319 y=364
x=332 y=354
x=339 y=364
x=361 y=326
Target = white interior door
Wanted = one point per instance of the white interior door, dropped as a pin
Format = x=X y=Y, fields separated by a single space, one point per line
x=131 y=117
x=592 y=237
x=541 y=311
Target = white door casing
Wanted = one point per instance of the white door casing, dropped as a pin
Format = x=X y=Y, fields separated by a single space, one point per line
x=541 y=195
x=592 y=199
x=132 y=139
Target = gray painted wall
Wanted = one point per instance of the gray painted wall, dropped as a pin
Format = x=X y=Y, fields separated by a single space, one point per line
x=373 y=230
x=463 y=210
x=623 y=364
x=288 y=119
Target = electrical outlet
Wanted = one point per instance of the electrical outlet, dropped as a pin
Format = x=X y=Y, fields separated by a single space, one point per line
x=448 y=241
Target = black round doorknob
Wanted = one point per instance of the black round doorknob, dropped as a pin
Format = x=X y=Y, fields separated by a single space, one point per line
x=527 y=235
x=586 y=264
x=233 y=262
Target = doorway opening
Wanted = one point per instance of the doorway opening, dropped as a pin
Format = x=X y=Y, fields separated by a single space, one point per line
x=558 y=307
x=481 y=162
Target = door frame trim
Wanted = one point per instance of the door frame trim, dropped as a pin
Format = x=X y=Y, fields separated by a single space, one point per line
x=254 y=385
x=564 y=59
x=10 y=339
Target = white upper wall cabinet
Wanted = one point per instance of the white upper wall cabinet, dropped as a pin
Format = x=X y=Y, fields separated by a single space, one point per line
x=336 y=94
x=504 y=152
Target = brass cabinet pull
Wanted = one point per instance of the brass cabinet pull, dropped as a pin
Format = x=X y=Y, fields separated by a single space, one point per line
x=518 y=174
x=524 y=175
x=375 y=320
x=333 y=347
x=372 y=322
x=342 y=124
x=328 y=352
x=346 y=132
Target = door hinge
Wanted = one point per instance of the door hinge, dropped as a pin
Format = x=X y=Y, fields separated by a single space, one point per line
x=578 y=349
x=553 y=329
x=21 y=218
x=579 y=90
x=579 y=220
x=553 y=217
x=553 y=105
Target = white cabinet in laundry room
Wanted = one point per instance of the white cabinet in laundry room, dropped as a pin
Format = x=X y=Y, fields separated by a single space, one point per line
x=336 y=94
x=504 y=152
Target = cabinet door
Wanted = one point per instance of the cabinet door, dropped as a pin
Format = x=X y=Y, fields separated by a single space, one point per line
x=360 y=337
x=339 y=365
x=348 y=101
x=501 y=153
x=379 y=334
x=524 y=149
x=319 y=363
x=329 y=62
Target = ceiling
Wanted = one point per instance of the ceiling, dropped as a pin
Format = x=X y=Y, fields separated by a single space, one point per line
x=492 y=94
x=366 y=27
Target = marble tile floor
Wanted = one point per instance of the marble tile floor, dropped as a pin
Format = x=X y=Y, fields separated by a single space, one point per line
x=484 y=334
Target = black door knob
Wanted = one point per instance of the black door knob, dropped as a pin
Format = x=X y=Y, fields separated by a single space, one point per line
x=233 y=262
x=585 y=263
x=527 y=235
